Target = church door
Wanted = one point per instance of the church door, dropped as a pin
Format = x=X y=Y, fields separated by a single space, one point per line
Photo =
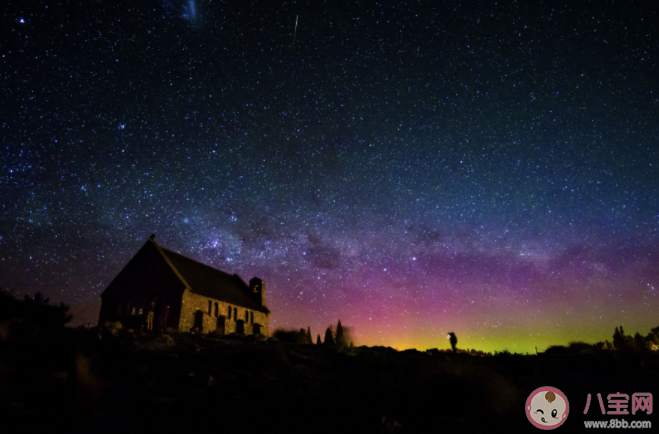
x=221 y=321
x=199 y=320
x=240 y=327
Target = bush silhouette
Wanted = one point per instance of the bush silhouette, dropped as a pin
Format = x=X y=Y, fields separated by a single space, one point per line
x=653 y=336
x=33 y=312
x=291 y=336
x=581 y=348
x=639 y=342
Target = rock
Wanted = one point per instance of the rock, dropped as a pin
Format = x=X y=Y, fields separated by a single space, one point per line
x=163 y=341
x=390 y=425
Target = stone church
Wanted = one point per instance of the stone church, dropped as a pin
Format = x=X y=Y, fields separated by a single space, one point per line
x=160 y=289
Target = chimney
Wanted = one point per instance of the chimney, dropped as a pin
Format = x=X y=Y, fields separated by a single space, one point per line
x=257 y=290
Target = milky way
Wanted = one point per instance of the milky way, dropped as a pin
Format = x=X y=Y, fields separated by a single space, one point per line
x=409 y=169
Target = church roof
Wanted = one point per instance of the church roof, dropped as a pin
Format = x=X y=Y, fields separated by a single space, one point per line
x=210 y=282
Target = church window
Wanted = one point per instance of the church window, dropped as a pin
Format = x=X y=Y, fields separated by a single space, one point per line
x=210 y=306
x=235 y=314
x=252 y=317
x=247 y=317
x=229 y=315
x=217 y=310
x=132 y=312
x=140 y=311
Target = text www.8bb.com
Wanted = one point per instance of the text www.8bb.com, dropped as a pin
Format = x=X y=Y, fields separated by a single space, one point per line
x=617 y=423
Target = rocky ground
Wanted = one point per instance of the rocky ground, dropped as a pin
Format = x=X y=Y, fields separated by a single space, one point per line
x=82 y=381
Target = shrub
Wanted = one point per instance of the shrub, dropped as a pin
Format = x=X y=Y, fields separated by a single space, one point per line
x=33 y=312
x=113 y=327
x=291 y=336
x=580 y=348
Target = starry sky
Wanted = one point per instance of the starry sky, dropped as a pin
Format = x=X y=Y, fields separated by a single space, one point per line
x=411 y=168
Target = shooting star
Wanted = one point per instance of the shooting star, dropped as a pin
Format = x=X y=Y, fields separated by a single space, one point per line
x=295 y=31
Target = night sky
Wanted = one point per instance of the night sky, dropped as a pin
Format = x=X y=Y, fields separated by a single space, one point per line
x=409 y=168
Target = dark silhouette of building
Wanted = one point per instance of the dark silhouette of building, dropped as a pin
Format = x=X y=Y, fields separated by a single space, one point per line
x=161 y=289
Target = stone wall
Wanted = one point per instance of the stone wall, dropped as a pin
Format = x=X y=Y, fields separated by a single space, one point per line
x=192 y=302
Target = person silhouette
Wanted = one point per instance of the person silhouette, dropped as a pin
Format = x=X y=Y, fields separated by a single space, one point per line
x=454 y=341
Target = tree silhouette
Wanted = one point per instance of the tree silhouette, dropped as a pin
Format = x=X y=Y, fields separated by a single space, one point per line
x=37 y=300
x=309 y=338
x=340 y=338
x=318 y=340
x=652 y=337
x=639 y=342
x=329 y=339
x=34 y=311
x=620 y=341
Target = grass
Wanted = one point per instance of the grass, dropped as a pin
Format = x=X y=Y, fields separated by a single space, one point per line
x=86 y=381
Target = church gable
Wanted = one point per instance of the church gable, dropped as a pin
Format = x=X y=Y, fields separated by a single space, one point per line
x=148 y=281
x=145 y=271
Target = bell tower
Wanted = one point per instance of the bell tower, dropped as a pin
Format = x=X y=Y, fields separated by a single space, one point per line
x=257 y=290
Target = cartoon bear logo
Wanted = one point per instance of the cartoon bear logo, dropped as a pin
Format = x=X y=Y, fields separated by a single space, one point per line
x=547 y=407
